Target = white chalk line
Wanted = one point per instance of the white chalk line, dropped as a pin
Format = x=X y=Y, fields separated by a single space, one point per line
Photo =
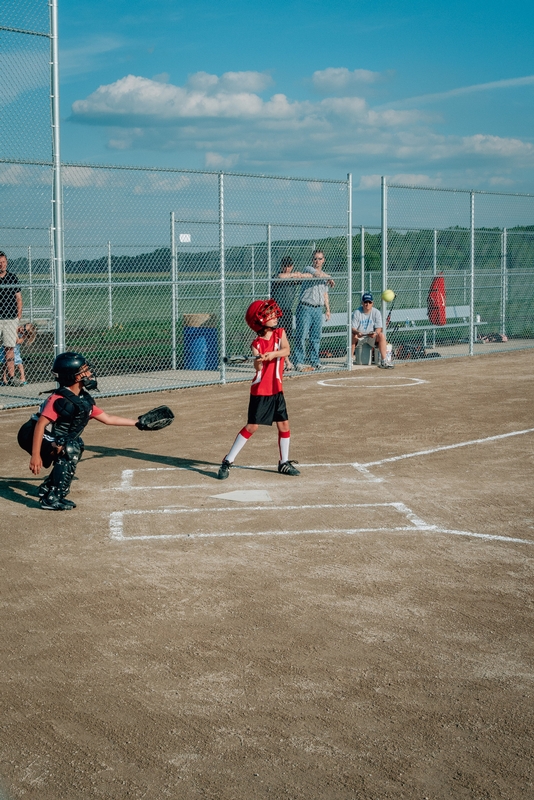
x=363 y=468
x=116 y=532
x=446 y=447
x=329 y=382
x=116 y=518
x=151 y=488
x=127 y=478
x=236 y=534
x=116 y=524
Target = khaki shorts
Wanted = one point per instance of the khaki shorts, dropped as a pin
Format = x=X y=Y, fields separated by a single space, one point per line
x=8 y=330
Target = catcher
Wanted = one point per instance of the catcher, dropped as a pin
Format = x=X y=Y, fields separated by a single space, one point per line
x=53 y=436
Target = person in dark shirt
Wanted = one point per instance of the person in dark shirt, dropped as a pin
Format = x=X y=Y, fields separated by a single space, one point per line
x=10 y=314
x=283 y=291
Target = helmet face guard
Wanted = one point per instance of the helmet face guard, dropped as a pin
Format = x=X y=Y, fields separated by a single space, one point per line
x=89 y=382
x=260 y=311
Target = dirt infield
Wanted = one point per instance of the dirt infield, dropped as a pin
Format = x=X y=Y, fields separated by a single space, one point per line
x=364 y=631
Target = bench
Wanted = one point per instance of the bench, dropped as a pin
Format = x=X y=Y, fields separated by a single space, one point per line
x=411 y=317
x=408 y=319
x=337 y=320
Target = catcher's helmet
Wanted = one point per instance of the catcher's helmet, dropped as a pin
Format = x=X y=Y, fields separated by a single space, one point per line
x=259 y=311
x=67 y=366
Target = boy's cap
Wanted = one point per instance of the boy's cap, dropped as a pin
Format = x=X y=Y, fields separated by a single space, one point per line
x=367 y=296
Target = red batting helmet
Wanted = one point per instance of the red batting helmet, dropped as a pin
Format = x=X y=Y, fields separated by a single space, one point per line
x=259 y=311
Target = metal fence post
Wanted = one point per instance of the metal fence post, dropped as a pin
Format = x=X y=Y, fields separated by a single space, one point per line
x=222 y=278
x=57 y=189
x=30 y=281
x=384 y=216
x=472 y=268
x=110 y=291
x=362 y=259
x=349 y=269
x=269 y=260
x=252 y=267
x=173 y=290
x=504 y=279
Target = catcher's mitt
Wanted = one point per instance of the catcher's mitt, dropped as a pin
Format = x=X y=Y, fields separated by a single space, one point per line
x=155 y=419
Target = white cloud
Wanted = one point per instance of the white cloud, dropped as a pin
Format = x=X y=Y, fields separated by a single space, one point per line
x=217 y=161
x=146 y=182
x=501 y=181
x=334 y=80
x=205 y=96
x=20 y=73
x=225 y=121
x=369 y=182
x=24 y=175
x=497 y=146
x=231 y=82
x=406 y=179
x=87 y=56
x=81 y=177
x=508 y=83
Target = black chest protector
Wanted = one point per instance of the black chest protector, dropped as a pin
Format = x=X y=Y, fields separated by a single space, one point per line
x=73 y=413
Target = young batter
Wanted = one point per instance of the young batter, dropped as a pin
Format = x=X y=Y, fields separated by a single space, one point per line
x=267 y=403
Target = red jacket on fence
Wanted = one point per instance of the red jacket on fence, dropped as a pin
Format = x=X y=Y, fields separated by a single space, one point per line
x=436 y=301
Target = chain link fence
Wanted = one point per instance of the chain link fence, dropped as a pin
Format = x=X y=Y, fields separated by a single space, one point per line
x=148 y=272
x=160 y=266
x=481 y=247
x=26 y=179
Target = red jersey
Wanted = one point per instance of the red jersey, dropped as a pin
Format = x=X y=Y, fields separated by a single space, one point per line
x=268 y=380
x=47 y=410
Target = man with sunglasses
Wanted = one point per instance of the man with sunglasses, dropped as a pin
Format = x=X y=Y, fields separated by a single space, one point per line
x=309 y=313
x=367 y=324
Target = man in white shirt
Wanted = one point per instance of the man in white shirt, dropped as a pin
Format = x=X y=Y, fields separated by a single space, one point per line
x=309 y=313
x=367 y=324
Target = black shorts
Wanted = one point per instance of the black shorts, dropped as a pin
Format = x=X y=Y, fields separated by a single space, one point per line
x=25 y=440
x=266 y=409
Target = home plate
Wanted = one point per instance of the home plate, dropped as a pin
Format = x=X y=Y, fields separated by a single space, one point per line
x=244 y=496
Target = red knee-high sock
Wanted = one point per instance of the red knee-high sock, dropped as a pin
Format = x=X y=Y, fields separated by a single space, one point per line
x=283 y=445
x=241 y=439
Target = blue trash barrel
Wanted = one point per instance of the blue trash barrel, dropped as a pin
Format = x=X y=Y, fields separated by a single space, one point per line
x=212 y=353
x=200 y=348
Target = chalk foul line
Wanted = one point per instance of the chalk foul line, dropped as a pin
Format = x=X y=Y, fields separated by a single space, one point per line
x=443 y=447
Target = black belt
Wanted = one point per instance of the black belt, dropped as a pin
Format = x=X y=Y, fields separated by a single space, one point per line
x=310 y=305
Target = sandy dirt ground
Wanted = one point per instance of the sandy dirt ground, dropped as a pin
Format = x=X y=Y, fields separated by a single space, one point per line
x=361 y=631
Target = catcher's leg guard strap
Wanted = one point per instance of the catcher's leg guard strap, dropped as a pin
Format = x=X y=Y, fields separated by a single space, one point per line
x=65 y=467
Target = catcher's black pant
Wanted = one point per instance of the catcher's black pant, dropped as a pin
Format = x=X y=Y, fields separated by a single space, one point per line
x=65 y=463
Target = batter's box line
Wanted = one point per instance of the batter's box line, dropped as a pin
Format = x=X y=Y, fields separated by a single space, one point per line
x=128 y=475
x=116 y=524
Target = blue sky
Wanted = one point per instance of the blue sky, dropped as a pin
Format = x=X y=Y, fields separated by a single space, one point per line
x=432 y=93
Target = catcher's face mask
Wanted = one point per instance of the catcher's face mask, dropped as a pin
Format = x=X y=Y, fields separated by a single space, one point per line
x=87 y=377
